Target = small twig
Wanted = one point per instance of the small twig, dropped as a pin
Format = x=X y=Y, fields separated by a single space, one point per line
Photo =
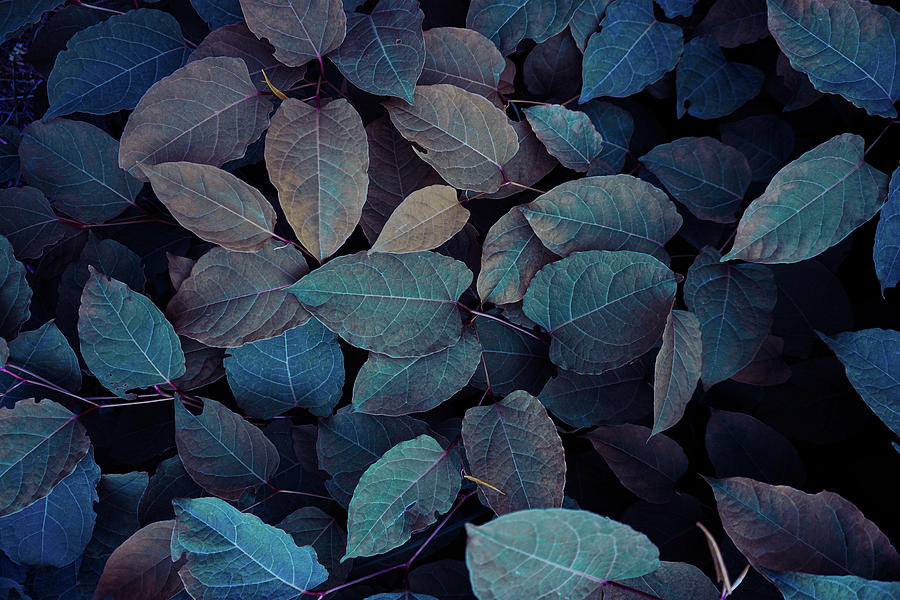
x=883 y=131
x=94 y=7
x=509 y=324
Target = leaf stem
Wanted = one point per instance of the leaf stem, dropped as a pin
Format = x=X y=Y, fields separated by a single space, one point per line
x=40 y=381
x=525 y=187
x=459 y=502
x=509 y=324
x=100 y=8
x=880 y=135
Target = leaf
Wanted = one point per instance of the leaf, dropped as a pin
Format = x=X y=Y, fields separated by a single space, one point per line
x=735 y=22
x=141 y=568
x=671 y=581
x=780 y=527
x=616 y=127
x=508 y=23
x=462 y=135
x=206 y=112
x=648 y=465
x=318 y=166
x=399 y=386
x=221 y=451
x=45 y=353
x=767 y=367
x=708 y=85
x=348 y=443
x=734 y=305
x=540 y=552
x=213 y=204
x=309 y=526
x=220 y=541
x=75 y=164
x=677 y=369
x=677 y=8
x=300 y=30
x=88 y=78
x=616 y=396
x=28 y=222
x=886 y=252
x=567 y=134
x=631 y=51
x=597 y=327
x=400 y=494
x=705 y=175
x=170 y=481
x=614 y=212
x=514 y=445
x=9 y=152
x=354 y=295
x=811 y=204
x=860 y=64
x=15 y=293
x=586 y=20
x=424 y=220
x=510 y=359
x=255 y=305
x=765 y=140
x=126 y=341
x=55 y=529
x=803 y=586
x=384 y=51
x=301 y=368
x=553 y=68
x=463 y=58
x=13 y=15
x=872 y=364
x=218 y=12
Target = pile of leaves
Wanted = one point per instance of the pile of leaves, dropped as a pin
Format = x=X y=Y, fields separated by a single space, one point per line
x=437 y=300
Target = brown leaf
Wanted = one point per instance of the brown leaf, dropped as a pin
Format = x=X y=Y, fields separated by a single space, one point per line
x=425 y=220
x=464 y=58
x=300 y=30
x=141 y=568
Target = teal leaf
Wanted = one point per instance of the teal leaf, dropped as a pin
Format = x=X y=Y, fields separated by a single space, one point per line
x=28 y=222
x=221 y=541
x=616 y=396
x=677 y=369
x=310 y=526
x=510 y=359
x=541 y=552
x=88 y=78
x=804 y=586
x=55 y=529
x=677 y=8
x=348 y=443
x=671 y=581
x=43 y=352
x=400 y=494
x=508 y=23
x=765 y=140
x=811 y=204
x=886 y=252
x=400 y=386
x=513 y=446
x=300 y=30
x=631 y=51
x=708 y=85
x=602 y=309
x=586 y=20
x=42 y=444
x=871 y=358
x=301 y=368
x=384 y=51
x=705 y=175
x=552 y=69
x=400 y=305
x=141 y=568
x=846 y=47
x=611 y=212
x=9 y=151
x=170 y=481
x=221 y=451
x=218 y=13
x=15 y=293
x=126 y=341
x=76 y=164
x=568 y=135
x=616 y=127
x=401 y=596
x=463 y=58
x=734 y=305
x=16 y=14
x=735 y=22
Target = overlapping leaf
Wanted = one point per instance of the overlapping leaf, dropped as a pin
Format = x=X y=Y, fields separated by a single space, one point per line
x=616 y=126
x=553 y=68
x=886 y=251
x=617 y=396
x=424 y=220
x=765 y=140
x=586 y=20
x=43 y=352
x=671 y=581
x=15 y=293
x=28 y=222
x=508 y=23
x=218 y=12
x=510 y=359
x=677 y=369
x=735 y=22
x=310 y=526
x=300 y=30
x=463 y=58
x=15 y=14
x=708 y=85
x=568 y=135
x=803 y=586
x=142 y=568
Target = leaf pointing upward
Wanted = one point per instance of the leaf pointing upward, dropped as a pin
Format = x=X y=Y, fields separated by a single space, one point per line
x=300 y=30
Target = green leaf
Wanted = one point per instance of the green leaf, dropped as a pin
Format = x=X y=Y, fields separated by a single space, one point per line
x=28 y=222
x=508 y=23
x=510 y=359
x=671 y=581
x=424 y=220
x=611 y=212
x=399 y=386
x=42 y=443
x=540 y=553
x=213 y=204
x=586 y=20
x=400 y=305
x=206 y=112
x=708 y=85
x=75 y=164
x=13 y=15
x=300 y=30
x=513 y=446
x=803 y=586
x=45 y=353
x=677 y=370
x=602 y=309
x=88 y=78
x=463 y=58
x=778 y=527
x=141 y=568
x=462 y=135
x=400 y=494
x=221 y=451
x=872 y=362
x=886 y=251
x=705 y=175
x=631 y=51
x=734 y=304
x=811 y=204
x=318 y=165
x=861 y=63
x=253 y=306
x=301 y=368
x=568 y=135
x=384 y=51
x=617 y=396
x=15 y=293
x=221 y=541
x=125 y=340
x=310 y=526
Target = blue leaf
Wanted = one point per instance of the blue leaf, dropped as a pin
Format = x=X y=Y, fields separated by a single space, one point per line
x=677 y=8
x=765 y=140
x=568 y=135
x=586 y=20
x=46 y=353
x=15 y=293
x=552 y=69
x=170 y=481
x=218 y=13
x=735 y=22
x=510 y=360
x=15 y=14
x=28 y=222
x=805 y=586
x=709 y=86
x=616 y=128
x=886 y=251
x=508 y=23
